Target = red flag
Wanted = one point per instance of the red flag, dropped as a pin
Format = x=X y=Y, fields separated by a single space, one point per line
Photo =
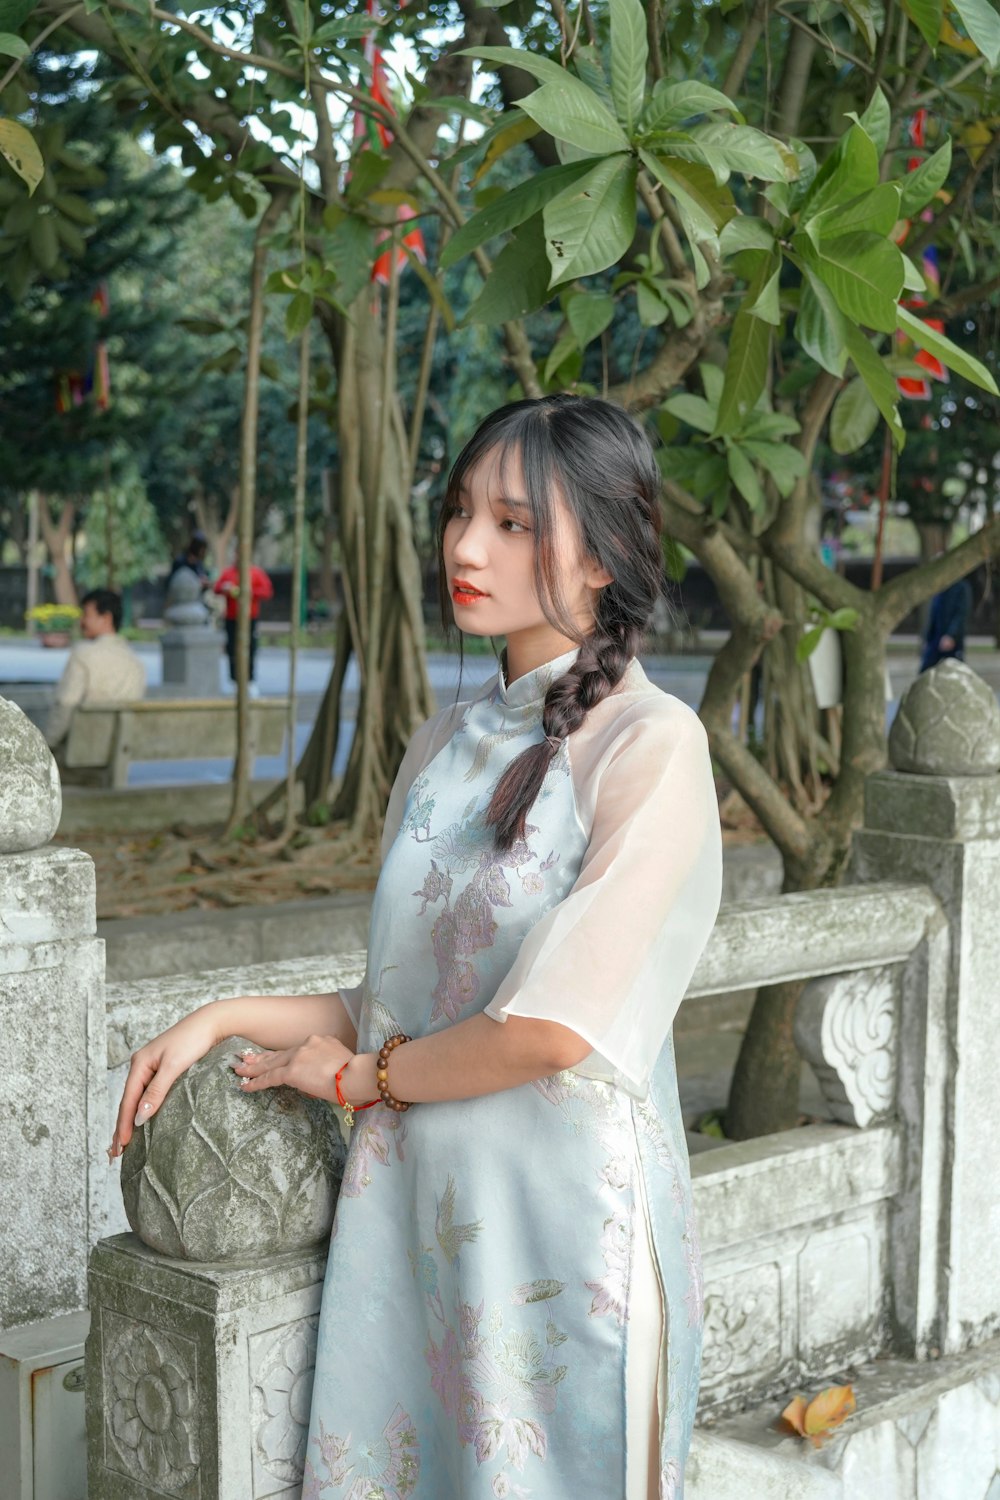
x=910 y=385
x=369 y=133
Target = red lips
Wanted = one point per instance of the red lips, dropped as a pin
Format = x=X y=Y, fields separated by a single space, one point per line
x=466 y=593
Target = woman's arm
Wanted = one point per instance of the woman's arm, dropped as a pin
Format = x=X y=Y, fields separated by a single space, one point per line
x=477 y=1056
x=271 y=1021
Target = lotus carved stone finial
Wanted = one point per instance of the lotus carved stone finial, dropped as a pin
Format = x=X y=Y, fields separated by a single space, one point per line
x=223 y=1176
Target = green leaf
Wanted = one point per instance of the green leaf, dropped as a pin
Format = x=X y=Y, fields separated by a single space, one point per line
x=854 y=417
x=746 y=233
x=770 y=425
x=983 y=25
x=876 y=121
x=519 y=281
x=784 y=463
x=746 y=367
x=745 y=477
x=919 y=186
x=510 y=210
x=741 y=149
x=13 y=46
x=767 y=304
x=950 y=354
x=843 y=619
x=926 y=14
x=14 y=13
x=874 y=212
x=18 y=149
x=569 y=111
x=203 y=327
x=877 y=378
x=534 y=63
x=863 y=271
x=561 y=351
x=913 y=278
x=673 y=103
x=713 y=378
x=298 y=313
x=589 y=313
x=590 y=225
x=434 y=288
x=629 y=56
x=703 y=205
x=807 y=643
x=351 y=254
x=860 y=12
x=651 y=307
x=851 y=169
x=819 y=326
x=694 y=410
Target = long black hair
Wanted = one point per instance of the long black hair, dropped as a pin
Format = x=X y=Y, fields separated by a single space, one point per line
x=593 y=455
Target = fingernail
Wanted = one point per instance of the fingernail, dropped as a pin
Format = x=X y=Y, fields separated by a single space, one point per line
x=143 y=1114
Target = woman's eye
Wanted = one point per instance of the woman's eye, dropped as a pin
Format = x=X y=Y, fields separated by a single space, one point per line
x=514 y=527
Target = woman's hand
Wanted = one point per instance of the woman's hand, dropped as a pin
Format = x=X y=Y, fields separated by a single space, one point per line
x=156 y=1066
x=311 y=1067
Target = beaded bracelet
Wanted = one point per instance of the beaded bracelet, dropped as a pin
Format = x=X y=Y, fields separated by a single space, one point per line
x=350 y=1110
x=382 y=1072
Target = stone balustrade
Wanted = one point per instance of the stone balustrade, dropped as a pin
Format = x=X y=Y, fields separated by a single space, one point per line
x=867 y=1235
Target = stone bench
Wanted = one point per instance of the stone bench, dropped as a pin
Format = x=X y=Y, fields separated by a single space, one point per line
x=104 y=741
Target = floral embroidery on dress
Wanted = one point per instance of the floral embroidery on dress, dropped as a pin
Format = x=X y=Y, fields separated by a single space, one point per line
x=370 y=1146
x=611 y=1290
x=385 y=1468
x=498 y=1382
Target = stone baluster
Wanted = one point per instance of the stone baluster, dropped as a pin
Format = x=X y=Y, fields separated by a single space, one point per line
x=203 y=1322
x=54 y=1114
x=935 y=818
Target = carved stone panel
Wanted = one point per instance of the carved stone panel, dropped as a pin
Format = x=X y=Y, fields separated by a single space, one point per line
x=150 y=1426
x=838 y=1288
x=282 y=1363
x=846 y=1027
x=742 y=1327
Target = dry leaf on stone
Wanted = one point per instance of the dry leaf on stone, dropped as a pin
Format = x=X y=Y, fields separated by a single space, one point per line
x=817 y=1418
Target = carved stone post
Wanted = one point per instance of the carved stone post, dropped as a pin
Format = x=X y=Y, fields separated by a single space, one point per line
x=935 y=818
x=202 y=1345
x=54 y=1110
x=53 y=1113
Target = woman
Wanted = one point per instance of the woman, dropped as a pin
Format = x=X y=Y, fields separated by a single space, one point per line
x=513 y=1299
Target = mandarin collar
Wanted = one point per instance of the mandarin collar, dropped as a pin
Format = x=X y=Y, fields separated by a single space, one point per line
x=530 y=690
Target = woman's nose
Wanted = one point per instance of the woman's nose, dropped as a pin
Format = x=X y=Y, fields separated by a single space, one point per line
x=468 y=547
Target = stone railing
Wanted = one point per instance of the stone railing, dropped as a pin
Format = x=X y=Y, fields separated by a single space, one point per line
x=867 y=1234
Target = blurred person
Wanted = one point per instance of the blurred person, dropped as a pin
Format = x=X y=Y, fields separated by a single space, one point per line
x=193 y=557
x=228 y=585
x=949 y=615
x=102 y=668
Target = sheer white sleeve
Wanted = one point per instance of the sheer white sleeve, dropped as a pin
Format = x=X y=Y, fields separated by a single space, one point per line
x=613 y=959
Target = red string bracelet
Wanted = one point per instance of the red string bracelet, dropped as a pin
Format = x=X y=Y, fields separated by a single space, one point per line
x=351 y=1109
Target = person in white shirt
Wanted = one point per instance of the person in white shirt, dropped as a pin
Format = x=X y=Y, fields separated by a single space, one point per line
x=102 y=668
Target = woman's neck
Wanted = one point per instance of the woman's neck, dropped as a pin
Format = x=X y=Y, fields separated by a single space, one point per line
x=530 y=649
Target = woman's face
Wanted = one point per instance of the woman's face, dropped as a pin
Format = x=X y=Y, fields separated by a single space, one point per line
x=489 y=559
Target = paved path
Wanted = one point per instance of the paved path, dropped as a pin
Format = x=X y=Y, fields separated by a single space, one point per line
x=26 y=662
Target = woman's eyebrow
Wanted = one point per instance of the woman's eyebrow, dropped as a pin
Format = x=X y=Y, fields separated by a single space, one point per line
x=511 y=503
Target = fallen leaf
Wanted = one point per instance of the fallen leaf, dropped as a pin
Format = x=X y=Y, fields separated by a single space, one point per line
x=829 y=1409
x=794 y=1415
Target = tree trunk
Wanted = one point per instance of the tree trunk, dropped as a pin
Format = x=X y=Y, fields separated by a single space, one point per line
x=243 y=766
x=57 y=536
x=382 y=620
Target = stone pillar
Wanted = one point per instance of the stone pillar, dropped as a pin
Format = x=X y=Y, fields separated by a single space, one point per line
x=203 y=1323
x=53 y=1102
x=935 y=818
x=192 y=646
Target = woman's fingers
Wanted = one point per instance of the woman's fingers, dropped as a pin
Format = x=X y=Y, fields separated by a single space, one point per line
x=261 y=1070
x=146 y=1087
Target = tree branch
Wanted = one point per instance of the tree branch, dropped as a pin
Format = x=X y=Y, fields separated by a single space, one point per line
x=673 y=359
x=823 y=41
x=895 y=599
x=737 y=70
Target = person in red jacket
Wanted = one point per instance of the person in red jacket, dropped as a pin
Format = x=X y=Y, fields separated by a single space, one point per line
x=228 y=585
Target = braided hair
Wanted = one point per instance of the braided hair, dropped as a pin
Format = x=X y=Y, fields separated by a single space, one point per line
x=595 y=456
